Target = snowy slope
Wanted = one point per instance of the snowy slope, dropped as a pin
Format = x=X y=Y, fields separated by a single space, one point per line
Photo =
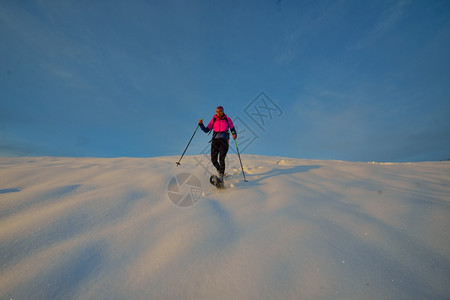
x=95 y=228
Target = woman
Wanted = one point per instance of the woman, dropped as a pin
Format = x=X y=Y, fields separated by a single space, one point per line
x=220 y=124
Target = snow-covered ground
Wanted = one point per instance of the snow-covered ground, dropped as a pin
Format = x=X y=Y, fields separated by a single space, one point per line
x=97 y=228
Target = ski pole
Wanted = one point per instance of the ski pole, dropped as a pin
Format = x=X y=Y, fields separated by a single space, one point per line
x=178 y=162
x=240 y=160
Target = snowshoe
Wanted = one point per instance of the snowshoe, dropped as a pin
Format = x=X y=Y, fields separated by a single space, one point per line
x=217 y=181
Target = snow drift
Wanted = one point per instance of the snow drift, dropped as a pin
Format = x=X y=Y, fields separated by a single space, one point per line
x=89 y=228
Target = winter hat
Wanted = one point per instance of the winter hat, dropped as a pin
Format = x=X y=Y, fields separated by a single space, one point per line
x=220 y=107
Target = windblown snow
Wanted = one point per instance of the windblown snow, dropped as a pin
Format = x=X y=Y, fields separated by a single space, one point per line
x=143 y=228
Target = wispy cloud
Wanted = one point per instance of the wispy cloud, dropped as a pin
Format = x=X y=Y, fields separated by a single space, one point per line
x=385 y=23
x=309 y=23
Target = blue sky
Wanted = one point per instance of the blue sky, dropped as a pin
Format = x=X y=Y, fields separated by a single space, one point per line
x=346 y=80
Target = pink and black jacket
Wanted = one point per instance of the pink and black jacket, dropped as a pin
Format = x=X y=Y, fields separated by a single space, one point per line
x=220 y=127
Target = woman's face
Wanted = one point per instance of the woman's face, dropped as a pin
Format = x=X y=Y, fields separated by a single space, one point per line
x=219 y=113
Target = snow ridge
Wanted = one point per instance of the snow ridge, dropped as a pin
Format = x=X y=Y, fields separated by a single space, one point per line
x=85 y=228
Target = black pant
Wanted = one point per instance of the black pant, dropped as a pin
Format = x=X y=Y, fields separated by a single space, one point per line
x=219 y=148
